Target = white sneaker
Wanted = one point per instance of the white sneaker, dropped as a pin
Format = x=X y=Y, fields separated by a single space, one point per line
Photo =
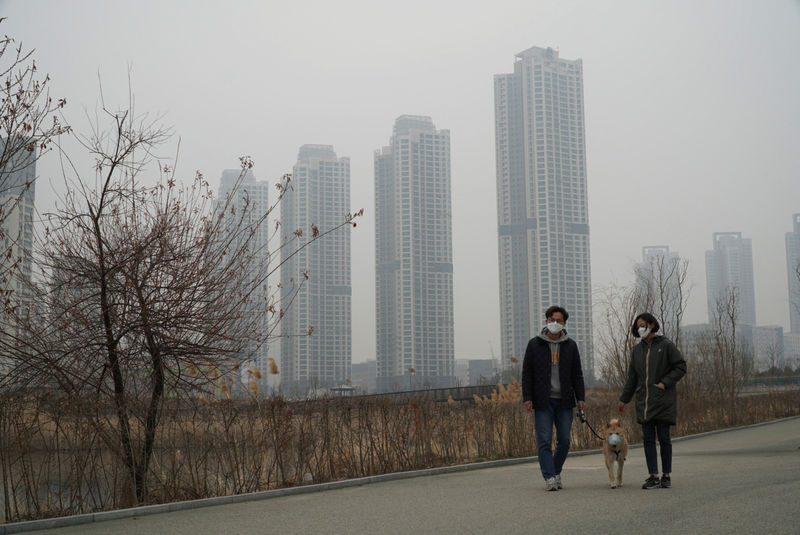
x=551 y=484
x=558 y=482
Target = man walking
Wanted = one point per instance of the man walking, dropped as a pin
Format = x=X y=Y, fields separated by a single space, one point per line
x=552 y=384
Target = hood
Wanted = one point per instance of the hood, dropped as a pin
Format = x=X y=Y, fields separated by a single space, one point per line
x=658 y=338
x=564 y=337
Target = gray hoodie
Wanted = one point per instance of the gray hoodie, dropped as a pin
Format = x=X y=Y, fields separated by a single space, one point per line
x=555 y=351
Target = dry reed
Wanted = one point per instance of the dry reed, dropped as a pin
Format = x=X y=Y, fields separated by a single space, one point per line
x=54 y=460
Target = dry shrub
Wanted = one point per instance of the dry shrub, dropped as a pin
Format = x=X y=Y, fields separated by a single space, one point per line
x=503 y=428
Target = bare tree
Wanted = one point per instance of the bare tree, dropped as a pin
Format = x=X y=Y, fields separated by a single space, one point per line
x=660 y=288
x=28 y=124
x=151 y=292
x=727 y=357
x=664 y=292
x=28 y=120
x=620 y=306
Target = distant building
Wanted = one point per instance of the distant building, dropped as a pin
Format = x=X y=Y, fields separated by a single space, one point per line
x=694 y=335
x=461 y=372
x=481 y=372
x=364 y=376
x=793 y=270
x=316 y=279
x=658 y=286
x=414 y=257
x=768 y=347
x=730 y=265
x=17 y=196
x=759 y=344
x=791 y=350
x=248 y=201
x=542 y=212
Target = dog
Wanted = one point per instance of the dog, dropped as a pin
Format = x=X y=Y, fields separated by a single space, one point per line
x=615 y=450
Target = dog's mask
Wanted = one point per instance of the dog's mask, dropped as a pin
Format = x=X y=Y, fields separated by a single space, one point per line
x=614 y=433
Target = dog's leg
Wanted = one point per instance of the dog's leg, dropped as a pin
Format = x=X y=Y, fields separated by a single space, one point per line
x=620 y=464
x=610 y=466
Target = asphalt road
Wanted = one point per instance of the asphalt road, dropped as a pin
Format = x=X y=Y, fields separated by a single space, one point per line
x=740 y=481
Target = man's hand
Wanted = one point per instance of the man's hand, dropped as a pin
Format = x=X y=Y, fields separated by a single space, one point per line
x=661 y=386
x=620 y=408
x=581 y=405
x=529 y=405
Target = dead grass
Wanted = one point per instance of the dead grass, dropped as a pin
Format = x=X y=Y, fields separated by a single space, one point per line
x=56 y=461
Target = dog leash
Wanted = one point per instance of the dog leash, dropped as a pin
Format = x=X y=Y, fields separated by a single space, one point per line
x=582 y=416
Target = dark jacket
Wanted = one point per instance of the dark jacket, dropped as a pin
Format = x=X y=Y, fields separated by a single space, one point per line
x=536 y=373
x=658 y=361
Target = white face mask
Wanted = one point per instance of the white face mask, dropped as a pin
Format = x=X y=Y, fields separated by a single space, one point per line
x=643 y=332
x=554 y=327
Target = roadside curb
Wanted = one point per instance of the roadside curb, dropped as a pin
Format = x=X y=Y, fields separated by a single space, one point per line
x=21 y=527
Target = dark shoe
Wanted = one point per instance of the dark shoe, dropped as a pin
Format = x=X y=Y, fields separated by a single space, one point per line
x=665 y=482
x=652 y=482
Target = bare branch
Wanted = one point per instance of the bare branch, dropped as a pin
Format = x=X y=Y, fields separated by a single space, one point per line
x=152 y=291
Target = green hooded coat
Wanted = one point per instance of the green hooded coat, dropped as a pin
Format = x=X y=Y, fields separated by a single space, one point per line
x=657 y=361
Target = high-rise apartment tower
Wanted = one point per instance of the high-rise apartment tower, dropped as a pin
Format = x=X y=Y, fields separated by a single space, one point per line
x=542 y=215
x=729 y=266
x=247 y=201
x=17 y=195
x=414 y=257
x=319 y=197
x=793 y=270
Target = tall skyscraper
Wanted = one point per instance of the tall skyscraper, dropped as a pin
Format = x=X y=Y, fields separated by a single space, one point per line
x=658 y=281
x=793 y=270
x=414 y=257
x=730 y=265
x=248 y=201
x=17 y=195
x=319 y=196
x=542 y=215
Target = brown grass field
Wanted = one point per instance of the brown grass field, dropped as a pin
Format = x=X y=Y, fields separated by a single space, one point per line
x=56 y=459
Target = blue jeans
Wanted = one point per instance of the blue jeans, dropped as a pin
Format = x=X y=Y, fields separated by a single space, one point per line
x=544 y=419
x=649 y=432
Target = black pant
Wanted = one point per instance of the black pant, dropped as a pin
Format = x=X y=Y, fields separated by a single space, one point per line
x=649 y=432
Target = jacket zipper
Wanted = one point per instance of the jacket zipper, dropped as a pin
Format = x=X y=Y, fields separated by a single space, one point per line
x=646 y=380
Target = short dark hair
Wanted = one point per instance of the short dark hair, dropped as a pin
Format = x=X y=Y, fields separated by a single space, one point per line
x=648 y=319
x=555 y=308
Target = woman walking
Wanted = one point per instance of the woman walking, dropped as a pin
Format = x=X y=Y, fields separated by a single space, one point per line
x=655 y=368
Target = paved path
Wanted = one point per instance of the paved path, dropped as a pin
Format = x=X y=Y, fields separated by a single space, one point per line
x=740 y=481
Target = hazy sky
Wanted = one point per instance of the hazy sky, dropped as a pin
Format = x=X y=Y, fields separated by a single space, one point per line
x=692 y=113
